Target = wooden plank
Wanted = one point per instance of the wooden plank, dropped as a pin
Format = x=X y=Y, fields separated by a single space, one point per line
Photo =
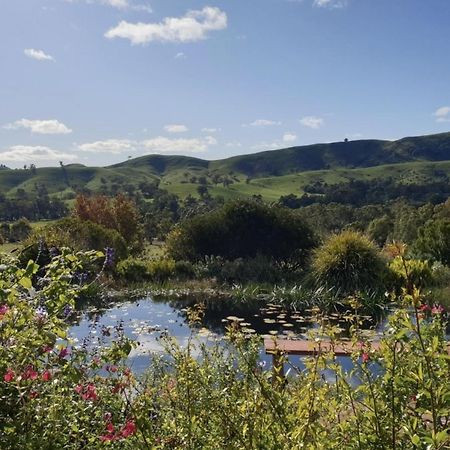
x=311 y=348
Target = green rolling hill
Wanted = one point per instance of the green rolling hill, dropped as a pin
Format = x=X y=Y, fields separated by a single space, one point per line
x=415 y=160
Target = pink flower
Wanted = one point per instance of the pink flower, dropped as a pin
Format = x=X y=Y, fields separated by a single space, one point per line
x=63 y=352
x=9 y=376
x=365 y=357
x=128 y=429
x=437 y=309
x=46 y=376
x=3 y=310
x=47 y=348
x=88 y=392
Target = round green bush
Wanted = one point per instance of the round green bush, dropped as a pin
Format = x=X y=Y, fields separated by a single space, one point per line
x=348 y=262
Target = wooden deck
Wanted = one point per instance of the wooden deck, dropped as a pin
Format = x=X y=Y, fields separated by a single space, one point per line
x=311 y=348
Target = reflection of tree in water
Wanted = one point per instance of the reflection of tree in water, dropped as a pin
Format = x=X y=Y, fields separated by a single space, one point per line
x=254 y=314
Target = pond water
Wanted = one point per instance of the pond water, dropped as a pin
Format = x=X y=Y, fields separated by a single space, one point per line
x=145 y=319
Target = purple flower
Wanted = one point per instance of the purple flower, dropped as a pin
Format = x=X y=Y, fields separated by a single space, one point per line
x=109 y=256
x=67 y=311
x=41 y=314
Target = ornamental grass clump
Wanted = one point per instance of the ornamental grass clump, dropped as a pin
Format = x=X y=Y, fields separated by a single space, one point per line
x=349 y=262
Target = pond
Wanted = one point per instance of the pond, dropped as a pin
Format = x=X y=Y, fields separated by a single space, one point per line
x=145 y=319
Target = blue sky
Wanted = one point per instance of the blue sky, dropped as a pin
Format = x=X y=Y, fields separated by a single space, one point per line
x=96 y=81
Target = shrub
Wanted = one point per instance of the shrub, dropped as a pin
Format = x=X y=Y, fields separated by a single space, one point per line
x=184 y=270
x=76 y=234
x=348 y=262
x=161 y=270
x=242 y=229
x=409 y=272
x=132 y=269
x=19 y=230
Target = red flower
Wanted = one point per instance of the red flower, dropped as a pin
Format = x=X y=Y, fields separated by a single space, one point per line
x=30 y=374
x=128 y=429
x=119 y=387
x=33 y=394
x=78 y=388
x=46 y=376
x=424 y=308
x=9 y=376
x=47 y=348
x=127 y=371
x=365 y=357
x=111 y=369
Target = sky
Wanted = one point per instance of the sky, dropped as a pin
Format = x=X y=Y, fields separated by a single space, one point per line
x=98 y=81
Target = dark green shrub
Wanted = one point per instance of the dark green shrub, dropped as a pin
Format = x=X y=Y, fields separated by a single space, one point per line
x=184 y=270
x=242 y=229
x=349 y=262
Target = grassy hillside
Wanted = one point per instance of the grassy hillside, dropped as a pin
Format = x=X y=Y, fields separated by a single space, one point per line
x=416 y=160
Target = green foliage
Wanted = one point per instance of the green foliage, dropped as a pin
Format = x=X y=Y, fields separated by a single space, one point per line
x=55 y=395
x=76 y=234
x=348 y=262
x=140 y=270
x=133 y=269
x=434 y=241
x=413 y=271
x=19 y=230
x=242 y=229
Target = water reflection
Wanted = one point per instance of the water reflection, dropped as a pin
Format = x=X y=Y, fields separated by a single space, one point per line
x=144 y=320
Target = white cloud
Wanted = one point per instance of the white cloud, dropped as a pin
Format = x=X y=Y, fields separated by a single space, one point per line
x=40 y=126
x=312 y=122
x=210 y=130
x=113 y=146
x=159 y=144
x=39 y=55
x=180 y=55
x=332 y=4
x=25 y=153
x=442 y=114
x=174 y=128
x=119 y=4
x=165 y=145
x=192 y=27
x=289 y=137
x=262 y=123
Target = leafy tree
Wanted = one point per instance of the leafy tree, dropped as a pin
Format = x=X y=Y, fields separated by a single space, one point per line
x=434 y=241
x=118 y=214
